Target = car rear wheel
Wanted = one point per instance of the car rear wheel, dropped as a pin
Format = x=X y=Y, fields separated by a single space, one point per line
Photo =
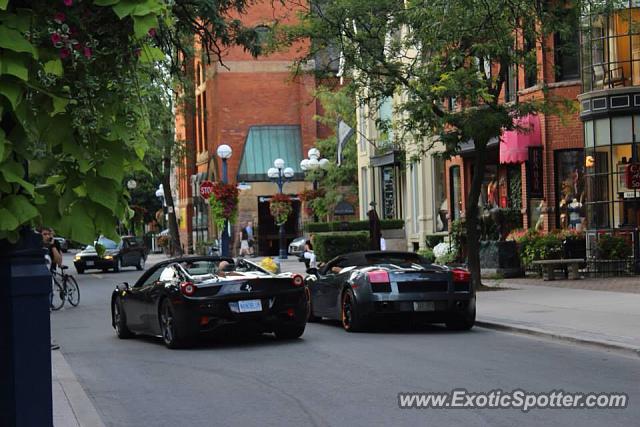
x=120 y=321
x=463 y=321
x=172 y=336
x=289 y=332
x=352 y=319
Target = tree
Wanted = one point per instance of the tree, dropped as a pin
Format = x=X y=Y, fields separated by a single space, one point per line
x=339 y=182
x=73 y=118
x=425 y=53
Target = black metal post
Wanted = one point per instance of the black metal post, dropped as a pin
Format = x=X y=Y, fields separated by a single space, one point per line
x=25 y=333
x=225 y=232
x=315 y=188
x=281 y=231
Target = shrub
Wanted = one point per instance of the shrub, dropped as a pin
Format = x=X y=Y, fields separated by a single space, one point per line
x=326 y=227
x=539 y=247
x=613 y=247
x=427 y=253
x=445 y=253
x=329 y=245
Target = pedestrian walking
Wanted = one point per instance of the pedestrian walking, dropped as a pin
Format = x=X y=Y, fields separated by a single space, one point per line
x=375 y=233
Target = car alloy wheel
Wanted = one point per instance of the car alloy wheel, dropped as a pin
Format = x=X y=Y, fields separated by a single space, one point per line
x=166 y=323
x=120 y=321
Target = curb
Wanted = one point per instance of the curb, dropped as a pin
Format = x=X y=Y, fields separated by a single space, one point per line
x=80 y=405
x=620 y=348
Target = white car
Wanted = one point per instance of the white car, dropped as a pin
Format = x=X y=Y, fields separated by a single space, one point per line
x=296 y=247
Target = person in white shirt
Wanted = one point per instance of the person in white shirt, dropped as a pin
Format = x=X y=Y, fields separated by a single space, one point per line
x=383 y=244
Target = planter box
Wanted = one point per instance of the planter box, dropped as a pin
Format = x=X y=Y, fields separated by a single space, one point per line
x=501 y=258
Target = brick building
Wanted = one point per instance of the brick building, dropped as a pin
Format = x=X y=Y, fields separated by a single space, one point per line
x=262 y=112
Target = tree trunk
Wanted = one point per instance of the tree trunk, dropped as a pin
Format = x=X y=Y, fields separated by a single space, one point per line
x=175 y=246
x=471 y=215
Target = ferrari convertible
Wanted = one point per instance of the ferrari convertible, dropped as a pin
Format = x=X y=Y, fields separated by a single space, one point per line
x=358 y=287
x=183 y=298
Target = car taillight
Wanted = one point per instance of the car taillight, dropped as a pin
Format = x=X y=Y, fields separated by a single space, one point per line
x=378 y=276
x=461 y=276
x=297 y=280
x=188 y=288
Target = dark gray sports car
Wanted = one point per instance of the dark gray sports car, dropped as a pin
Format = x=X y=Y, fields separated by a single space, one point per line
x=357 y=287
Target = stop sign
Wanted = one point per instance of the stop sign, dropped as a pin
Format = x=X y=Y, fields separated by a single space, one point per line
x=206 y=187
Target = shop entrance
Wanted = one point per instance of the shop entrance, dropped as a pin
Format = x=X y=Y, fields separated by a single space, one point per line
x=268 y=237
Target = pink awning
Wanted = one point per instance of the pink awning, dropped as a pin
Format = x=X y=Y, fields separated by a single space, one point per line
x=514 y=145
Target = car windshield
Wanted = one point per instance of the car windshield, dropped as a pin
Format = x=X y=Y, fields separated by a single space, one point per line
x=206 y=267
x=108 y=244
x=401 y=260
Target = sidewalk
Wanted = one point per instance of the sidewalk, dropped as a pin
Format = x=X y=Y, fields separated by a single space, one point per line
x=71 y=405
x=608 y=317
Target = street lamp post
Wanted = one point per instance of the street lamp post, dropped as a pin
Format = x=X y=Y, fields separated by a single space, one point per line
x=279 y=174
x=313 y=163
x=225 y=152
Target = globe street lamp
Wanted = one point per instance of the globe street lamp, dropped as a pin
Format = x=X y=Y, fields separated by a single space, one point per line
x=279 y=174
x=225 y=152
x=313 y=163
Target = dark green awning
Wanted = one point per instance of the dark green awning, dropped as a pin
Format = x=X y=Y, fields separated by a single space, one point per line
x=264 y=144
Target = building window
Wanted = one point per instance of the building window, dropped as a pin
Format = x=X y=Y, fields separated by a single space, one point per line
x=511 y=84
x=441 y=203
x=570 y=189
x=385 y=114
x=388 y=193
x=514 y=187
x=455 y=185
x=362 y=126
x=566 y=47
x=611 y=46
x=531 y=65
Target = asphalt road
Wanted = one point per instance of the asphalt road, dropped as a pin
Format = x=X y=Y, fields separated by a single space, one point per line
x=328 y=377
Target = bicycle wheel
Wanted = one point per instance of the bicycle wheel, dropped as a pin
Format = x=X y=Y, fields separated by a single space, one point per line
x=73 y=291
x=58 y=294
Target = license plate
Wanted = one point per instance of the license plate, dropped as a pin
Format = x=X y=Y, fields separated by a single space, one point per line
x=89 y=263
x=249 y=305
x=424 y=306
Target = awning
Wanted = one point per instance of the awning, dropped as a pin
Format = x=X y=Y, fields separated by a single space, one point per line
x=514 y=144
x=264 y=144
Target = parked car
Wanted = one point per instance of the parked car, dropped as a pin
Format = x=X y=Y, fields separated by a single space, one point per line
x=296 y=247
x=357 y=287
x=183 y=298
x=130 y=252
x=64 y=243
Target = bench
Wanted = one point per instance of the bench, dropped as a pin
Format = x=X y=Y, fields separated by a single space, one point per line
x=549 y=266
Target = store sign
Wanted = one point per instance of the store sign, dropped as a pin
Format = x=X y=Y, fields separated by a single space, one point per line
x=632 y=176
x=535 y=168
x=206 y=188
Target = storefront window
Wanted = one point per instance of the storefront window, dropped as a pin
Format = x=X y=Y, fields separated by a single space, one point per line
x=490 y=196
x=514 y=189
x=456 y=192
x=441 y=203
x=388 y=193
x=569 y=174
x=611 y=46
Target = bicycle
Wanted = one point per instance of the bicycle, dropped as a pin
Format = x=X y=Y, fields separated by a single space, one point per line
x=65 y=288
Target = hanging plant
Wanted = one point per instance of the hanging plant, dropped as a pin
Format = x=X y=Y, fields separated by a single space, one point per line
x=308 y=197
x=224 y=203
x=280 y=208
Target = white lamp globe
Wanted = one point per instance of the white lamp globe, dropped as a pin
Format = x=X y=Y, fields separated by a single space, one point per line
x=314 y=153
x=304 y=164
x=324 y=163
x=132 y=184
x=288 y=173
x=272 y=173
x=224 y=151
x=313 y=163
x=278 y=163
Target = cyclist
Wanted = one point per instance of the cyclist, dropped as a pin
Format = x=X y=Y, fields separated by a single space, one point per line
x=53 y=258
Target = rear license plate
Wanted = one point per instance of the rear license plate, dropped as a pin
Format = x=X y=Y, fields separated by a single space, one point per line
x=424 y=306
x=89 y=263
x=249 y=305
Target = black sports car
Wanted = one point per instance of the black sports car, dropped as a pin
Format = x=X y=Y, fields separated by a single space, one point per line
x=182 y=298
x=354 y=288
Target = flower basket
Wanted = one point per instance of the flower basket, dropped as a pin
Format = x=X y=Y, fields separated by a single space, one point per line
x=280 y=208
x=308 y=197
x=224 y=203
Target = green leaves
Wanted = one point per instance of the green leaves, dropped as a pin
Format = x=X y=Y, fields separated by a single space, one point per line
x=142 y=24
x=102 y=191
x=11 y=39
x=20 y=207
x=14 y=64
x=53 y=67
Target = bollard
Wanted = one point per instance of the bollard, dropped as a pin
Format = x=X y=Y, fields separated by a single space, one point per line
x=25 y=335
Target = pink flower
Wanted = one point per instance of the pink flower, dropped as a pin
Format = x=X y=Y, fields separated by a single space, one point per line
x=152 y=32
x=59 y=17
x=68 y=3
x=55 y=38
x=87 y=52
x=64 y=53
